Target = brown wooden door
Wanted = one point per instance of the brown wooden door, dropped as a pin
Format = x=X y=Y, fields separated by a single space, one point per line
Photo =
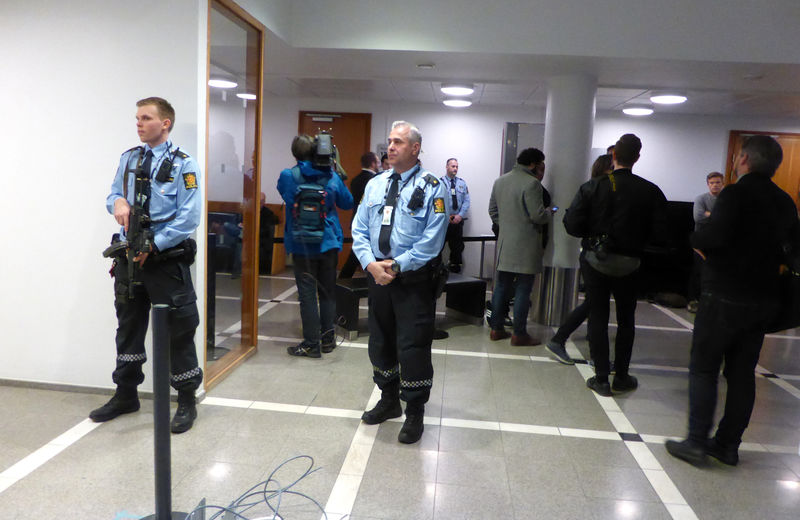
x=788 y=175
x=351 y=135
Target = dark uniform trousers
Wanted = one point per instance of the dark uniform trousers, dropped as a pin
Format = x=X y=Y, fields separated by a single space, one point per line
x=401 y=317
x=455 y=240
x=165 y=282
x=599 y=288
x=733 y=332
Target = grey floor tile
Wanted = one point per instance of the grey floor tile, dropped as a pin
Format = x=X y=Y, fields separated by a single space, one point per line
x=616 y=483
x=454 y=502
x=385 y=497
x=530 y=502
x=470 y=469
x=467 y=440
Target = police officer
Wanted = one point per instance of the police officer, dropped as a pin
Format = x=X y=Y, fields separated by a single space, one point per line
x=398 y=233
x=457 y=208
x=161 y=275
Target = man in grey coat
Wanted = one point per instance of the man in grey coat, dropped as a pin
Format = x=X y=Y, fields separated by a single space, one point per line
x=517 y=207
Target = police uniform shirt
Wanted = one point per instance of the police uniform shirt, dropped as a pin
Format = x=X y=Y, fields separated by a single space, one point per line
x=462 y=196
x=177 y=196
x=417 y=234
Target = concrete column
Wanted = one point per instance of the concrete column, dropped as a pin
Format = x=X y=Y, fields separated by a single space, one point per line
x=569 y=125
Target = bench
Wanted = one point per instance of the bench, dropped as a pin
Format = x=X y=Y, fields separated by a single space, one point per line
x=465 y=300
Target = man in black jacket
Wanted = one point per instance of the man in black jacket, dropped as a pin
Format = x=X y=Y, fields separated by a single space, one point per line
x=616 y=214
x=742 y=244
x=369 y=168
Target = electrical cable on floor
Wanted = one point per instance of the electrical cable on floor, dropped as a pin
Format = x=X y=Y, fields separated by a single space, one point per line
x=262 y=495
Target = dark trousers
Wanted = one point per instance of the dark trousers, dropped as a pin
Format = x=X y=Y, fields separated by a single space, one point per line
x=401 y=317
x=693 y=291
x=316 y=275
x=573 y=321
x=455 y=241
x=349 y=267
x=599 y=288
x=521 y=284
x=732 y=332
x=168 y=282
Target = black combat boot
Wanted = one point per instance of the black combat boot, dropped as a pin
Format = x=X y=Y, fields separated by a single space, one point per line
x=186 y=413
x=413 y=426
x=125 y=400
x=388 y=406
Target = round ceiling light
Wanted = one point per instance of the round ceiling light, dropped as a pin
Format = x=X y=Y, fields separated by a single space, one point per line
x=222 y=83
x=453 y=89
x=244 y=95
x=668 y=98
x=637 y=110
x=457 y=103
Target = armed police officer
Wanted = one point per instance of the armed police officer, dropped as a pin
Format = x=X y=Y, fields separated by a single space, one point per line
x=398 y=233
x=155 y=198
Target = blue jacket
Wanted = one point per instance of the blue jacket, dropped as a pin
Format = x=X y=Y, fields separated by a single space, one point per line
x=337 y=195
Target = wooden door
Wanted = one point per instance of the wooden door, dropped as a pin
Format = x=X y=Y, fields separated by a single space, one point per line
x=351 y=135
x=788 y=175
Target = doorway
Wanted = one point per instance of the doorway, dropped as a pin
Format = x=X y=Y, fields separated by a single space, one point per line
x=233 y=178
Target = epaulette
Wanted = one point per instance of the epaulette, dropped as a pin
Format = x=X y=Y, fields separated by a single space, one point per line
x=132 y=149
x=182 y=155
x=431 y=179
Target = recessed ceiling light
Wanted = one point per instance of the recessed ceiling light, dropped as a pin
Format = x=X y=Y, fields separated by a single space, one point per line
x=244 y=95
x=668 y=98
x=222 y=83
x=457 y=89
x=426 y=66
x=637 y=110
x=457 y=103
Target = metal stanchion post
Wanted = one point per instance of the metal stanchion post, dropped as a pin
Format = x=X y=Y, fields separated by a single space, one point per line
x=162 y=458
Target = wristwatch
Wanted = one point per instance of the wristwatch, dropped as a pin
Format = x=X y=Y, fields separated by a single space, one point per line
x=395 y=267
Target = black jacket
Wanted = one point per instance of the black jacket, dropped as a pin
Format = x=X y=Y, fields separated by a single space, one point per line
x=742 y=239
x=626 y=207
x=357 y=186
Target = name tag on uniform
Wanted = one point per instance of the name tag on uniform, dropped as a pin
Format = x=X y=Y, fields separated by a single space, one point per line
x=387 y=215
x=452 y=191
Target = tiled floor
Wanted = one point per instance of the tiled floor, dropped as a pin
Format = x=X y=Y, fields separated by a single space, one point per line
x=509 y=434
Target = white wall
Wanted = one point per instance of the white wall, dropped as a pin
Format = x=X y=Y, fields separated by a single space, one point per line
x=69 y=112
x=226 y=150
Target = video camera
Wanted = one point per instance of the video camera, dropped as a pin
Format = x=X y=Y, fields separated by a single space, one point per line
x=324 y=152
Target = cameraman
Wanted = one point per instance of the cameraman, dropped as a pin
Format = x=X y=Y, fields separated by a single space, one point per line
x=314 y=264
x=161 y=273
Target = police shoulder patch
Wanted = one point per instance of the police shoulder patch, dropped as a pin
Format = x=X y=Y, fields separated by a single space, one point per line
x=190 y=180
x=182 y=155
x=438 y=205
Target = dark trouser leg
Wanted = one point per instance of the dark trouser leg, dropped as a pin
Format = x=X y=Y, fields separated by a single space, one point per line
x=133 y=316
x=455 y=240
x=573 y=321
x=414 y=309
x=382 y=345
x=349 y=267
x=693 y=292
x=502 y=282
x=624 y=290
x=522 y=302
x=598 y=291
x=326 y=290
x=305 y=276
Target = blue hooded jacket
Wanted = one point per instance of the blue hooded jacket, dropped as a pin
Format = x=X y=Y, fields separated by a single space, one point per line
x=336 y=195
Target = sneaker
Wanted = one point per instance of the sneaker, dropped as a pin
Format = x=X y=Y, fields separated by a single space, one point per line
x=184 y=418
x=508 y=322
x=624 y=383
x=412 y=429
x=115 y=407
x=497 y=335
x=612 y=369
x=603 y=389
x=385 y=409
x=305 y=350
x=328 y=341
x=729 y=456
x=440 y=334
x=488 y=312
x=687 y=451
x=524 y=340
x=692 y=306
x=559 y=352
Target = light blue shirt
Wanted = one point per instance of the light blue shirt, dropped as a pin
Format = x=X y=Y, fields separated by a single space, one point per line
x=417 y=235
x=178 y=196
x=462 y=195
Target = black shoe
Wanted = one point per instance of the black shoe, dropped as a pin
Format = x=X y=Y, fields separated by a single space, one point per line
x=603 y=389
x=687 y=451
x=328 y=341
x=184 y=418
x=115 y=407
x=624 y=383
x=440 y=334
x=412 y=428
x=454 y=268
x=729 y=456
x=385 y=409
x=305 y=350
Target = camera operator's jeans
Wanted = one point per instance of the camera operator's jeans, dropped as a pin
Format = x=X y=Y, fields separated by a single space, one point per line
x=503 y=285
x=316 y=275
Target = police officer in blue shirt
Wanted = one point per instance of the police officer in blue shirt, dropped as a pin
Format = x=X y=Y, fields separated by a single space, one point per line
x=457 y=207
x=162 y=274
x=398 y=234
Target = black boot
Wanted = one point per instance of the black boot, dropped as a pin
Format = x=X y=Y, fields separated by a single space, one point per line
x=185 y=414
x=413 y=426
x=125 y=400
x=388 y=406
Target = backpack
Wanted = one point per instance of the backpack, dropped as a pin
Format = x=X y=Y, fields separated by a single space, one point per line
x=308 y=211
